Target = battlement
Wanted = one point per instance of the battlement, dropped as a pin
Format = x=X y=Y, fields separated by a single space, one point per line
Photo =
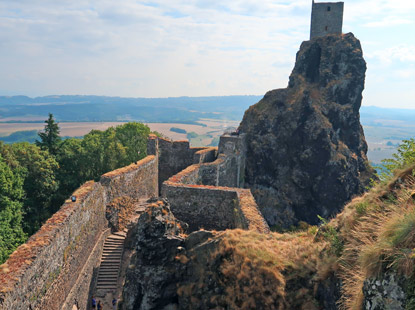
x=326 y=18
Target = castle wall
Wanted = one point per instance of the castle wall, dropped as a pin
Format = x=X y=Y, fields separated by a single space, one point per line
x=174 y=156
x=56 y=262
x=326 y=18
x=214 y=208
x=41 y=272
x=210 y=206
x=203 y=207
x=135 y=181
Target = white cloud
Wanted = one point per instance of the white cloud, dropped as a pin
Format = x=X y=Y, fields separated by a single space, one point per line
x=406 y=74
x=389 y=21
x=178 y=47
x=403 y=53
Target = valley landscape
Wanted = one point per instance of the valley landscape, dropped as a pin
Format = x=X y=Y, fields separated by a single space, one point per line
x=208 y=117
x=300 y=198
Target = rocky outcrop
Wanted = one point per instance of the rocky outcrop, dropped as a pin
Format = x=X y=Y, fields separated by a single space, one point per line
x=306 y=151
x=153 y=272
x=120 y=211
x=232 y=269
x=384 y=292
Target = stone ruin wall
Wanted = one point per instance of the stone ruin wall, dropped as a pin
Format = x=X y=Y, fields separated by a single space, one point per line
x=214 y=207
x=174 y=156
x=58 y=262
x=206 y=195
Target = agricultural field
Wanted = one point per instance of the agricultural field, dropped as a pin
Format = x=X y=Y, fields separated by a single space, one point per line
x=202 y=134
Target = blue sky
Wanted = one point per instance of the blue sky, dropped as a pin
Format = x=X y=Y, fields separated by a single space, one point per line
x=190 y=48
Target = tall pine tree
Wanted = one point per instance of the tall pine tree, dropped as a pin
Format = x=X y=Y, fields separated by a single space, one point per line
x=50 y=139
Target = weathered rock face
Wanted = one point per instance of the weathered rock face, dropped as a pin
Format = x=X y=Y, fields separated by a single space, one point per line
x=385 y=292
x=306 y=151
x=232 y=269
x=154 y=272
x=119 y=212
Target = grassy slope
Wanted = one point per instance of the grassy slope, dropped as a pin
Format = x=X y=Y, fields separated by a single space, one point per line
x=374 y=233
x=378 y=233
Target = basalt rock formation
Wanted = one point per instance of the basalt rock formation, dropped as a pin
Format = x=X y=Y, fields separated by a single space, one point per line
x=232 y=269
x=306 y=151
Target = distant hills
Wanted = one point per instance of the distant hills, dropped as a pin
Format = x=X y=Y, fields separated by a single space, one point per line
x=169 y=110
x=100 y=108
x=384 y=127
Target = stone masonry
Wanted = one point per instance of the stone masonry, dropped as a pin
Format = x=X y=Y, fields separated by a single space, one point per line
x=56 y=266
x=326 y=18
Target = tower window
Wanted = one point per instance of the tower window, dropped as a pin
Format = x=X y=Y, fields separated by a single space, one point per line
x=327 y=28
x=328 y=9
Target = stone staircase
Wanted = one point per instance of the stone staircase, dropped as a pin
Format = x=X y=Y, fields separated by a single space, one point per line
x=111 y=262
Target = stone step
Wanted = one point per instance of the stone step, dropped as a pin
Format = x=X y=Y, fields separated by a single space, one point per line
x=111 y=256
x=108 y=274
x=116 y=237
x=116 y=248
x=119 y=250
x=110 y=265
x=107 y=264
x=109 y=271
x=109 y=268
x=107 y=287
x=113 y=249
x=104 y=283
x=114 y=243
x=111 y=260
x=118 y=241
x=108 y=279
x=113 y=253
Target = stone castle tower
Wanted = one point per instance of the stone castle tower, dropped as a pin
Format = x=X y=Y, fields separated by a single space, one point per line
x=326 y=18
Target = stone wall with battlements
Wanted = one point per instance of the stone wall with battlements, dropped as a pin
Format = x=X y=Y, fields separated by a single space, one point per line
x=56 y=262
x=212 y=207
x=206 y=195
x=174 y=156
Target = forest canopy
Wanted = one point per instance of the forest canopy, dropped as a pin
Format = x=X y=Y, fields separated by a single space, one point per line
x=36 y=178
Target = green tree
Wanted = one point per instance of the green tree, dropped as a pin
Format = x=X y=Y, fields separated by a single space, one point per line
x=40 y=183
x=72 y=170
x=102 y=153
x=50 y=139
x=133 y=136
x=11 y=193
x=404 y=156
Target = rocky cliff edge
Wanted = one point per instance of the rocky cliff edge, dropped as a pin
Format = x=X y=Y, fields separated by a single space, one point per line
x=306 y=151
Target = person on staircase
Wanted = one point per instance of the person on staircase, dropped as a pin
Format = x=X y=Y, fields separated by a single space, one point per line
x=99 y=305
x=93 y=302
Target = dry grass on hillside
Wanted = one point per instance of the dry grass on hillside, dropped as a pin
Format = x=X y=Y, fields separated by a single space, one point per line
x=378 y=233
x=270 y=271
x=260 y=271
